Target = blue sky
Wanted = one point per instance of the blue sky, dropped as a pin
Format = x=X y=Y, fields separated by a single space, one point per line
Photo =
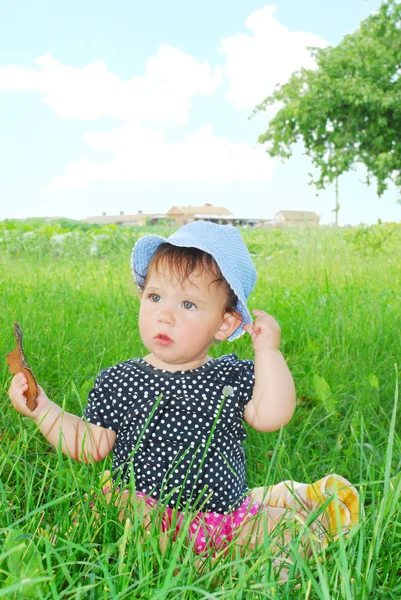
x=127 y=106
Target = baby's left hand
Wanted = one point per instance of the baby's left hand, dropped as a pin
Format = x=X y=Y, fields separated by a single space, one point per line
x=264 y=331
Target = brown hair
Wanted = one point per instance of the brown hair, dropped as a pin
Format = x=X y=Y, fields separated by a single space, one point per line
x=183 y=261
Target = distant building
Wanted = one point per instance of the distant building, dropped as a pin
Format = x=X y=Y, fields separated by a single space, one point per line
x=296 y=218
x=188 y=214
x=139 y=219
x=265 y=223
x=216 y=214
x=177 y=215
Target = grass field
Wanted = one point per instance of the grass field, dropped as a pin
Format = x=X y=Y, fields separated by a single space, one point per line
x=336 y=295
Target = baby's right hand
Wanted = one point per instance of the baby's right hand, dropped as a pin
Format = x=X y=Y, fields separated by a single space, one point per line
x=19 y=385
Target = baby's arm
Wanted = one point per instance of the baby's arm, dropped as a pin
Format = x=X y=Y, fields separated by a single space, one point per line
x=81 y=440
x=273 y=400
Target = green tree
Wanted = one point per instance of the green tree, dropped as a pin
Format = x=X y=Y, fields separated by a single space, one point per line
x=348 y=110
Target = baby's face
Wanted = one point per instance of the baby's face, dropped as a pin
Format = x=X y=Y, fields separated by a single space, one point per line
x=179 y=321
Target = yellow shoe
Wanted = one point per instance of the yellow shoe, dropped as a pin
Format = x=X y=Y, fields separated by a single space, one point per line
x=343 y=510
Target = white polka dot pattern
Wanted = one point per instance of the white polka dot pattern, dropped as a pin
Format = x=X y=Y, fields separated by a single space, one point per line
x=178 y=434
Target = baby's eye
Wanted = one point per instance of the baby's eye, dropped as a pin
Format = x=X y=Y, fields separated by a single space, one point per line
x=154 y=297
x=188 y=305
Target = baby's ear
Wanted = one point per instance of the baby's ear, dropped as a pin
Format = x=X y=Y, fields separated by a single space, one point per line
x=231 y=321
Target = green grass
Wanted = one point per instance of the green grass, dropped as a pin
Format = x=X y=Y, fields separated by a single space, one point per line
x=337 y=299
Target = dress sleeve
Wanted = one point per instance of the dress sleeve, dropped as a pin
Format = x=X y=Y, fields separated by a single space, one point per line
x=246 y=383
x=99 y=409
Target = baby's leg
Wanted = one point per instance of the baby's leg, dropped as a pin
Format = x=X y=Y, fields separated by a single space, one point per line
x=143 y=509
x=127 y=506
x=123 y=501
x=288 y=503
x=282 y=527
x=340 y=513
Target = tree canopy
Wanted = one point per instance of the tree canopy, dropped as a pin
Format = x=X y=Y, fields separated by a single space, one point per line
x=348 y=110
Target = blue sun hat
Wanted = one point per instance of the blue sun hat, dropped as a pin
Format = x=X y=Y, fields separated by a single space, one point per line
x=223 y=242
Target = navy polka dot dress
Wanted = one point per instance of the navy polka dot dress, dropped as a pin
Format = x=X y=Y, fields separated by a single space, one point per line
x=179 y=435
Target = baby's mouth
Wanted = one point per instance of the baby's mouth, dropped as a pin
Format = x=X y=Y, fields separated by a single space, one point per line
x=162 y=338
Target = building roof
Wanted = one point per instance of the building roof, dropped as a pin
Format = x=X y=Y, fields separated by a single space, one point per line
x=299 y=215
x=207 y=209
x=227 y=217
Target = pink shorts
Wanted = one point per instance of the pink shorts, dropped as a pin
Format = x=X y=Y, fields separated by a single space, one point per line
x=207 y=530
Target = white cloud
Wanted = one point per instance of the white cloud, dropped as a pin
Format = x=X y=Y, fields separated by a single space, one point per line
x=171 y=80
x=142 y=155
x=257 y=62
x=254 y=63
x=164 y=94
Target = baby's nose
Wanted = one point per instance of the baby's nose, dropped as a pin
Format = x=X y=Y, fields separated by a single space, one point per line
x=166 y=315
